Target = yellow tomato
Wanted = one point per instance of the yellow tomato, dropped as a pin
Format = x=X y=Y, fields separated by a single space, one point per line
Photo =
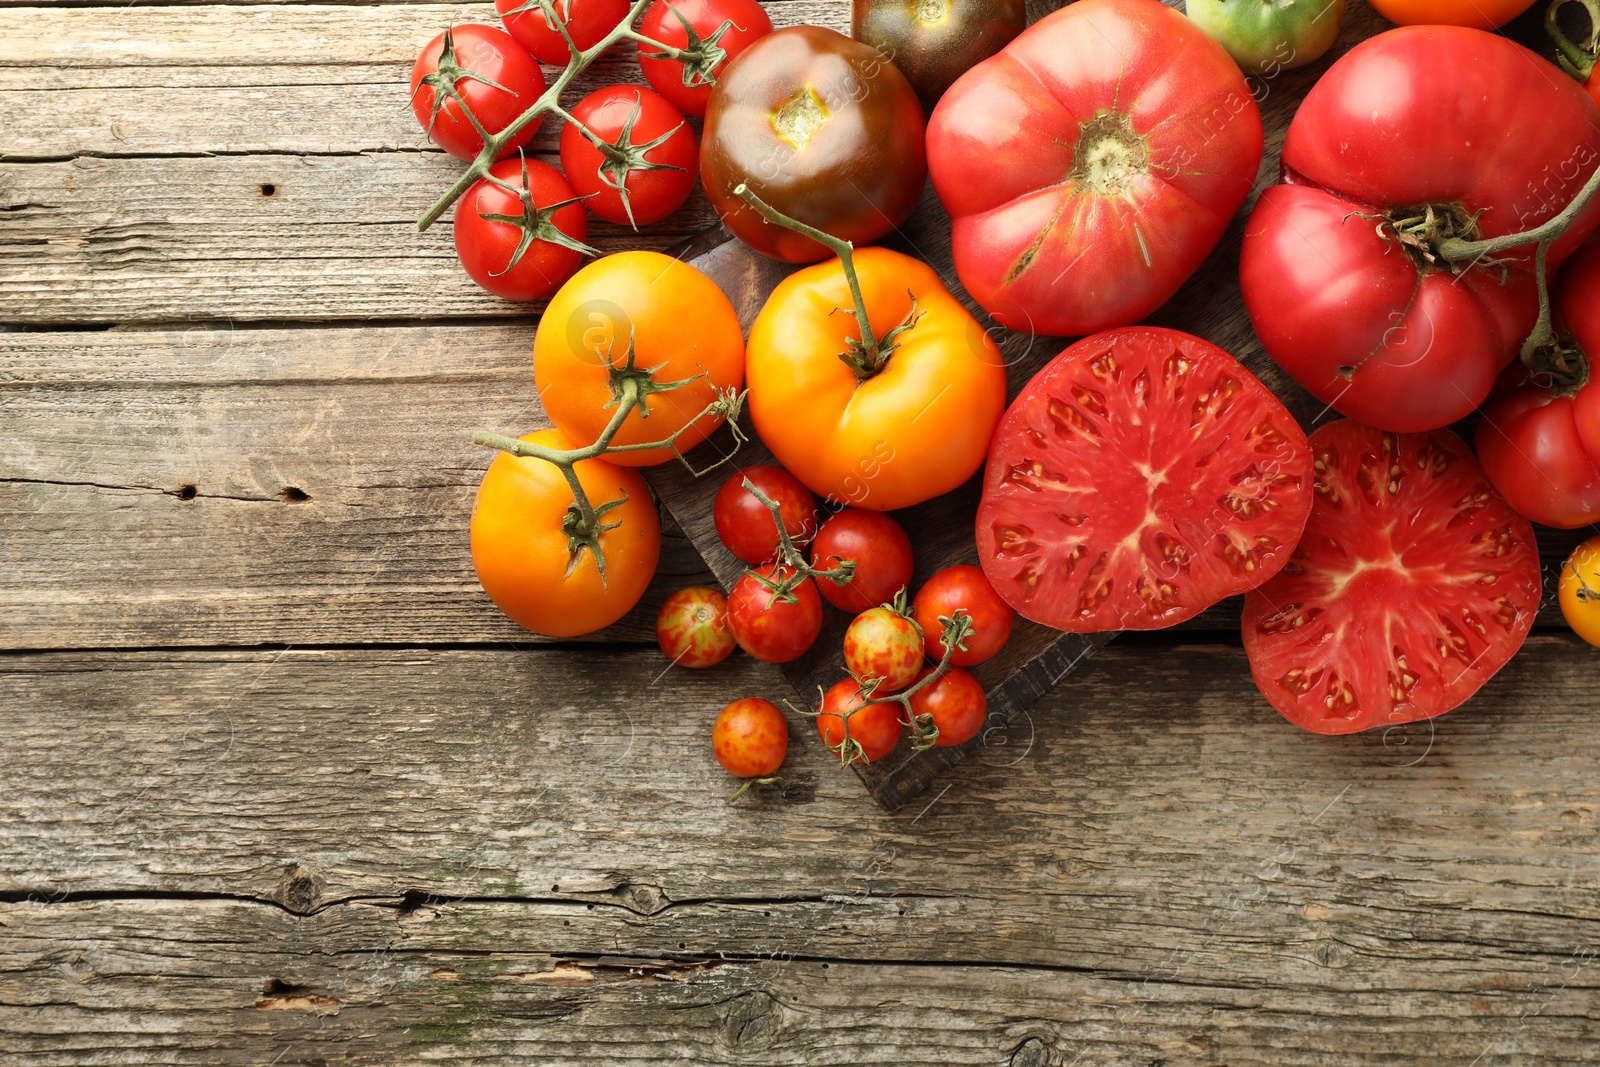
x=678 y=320
x=1580 y=590
x=1481 y=14
x=519 y=546
x=917 y=428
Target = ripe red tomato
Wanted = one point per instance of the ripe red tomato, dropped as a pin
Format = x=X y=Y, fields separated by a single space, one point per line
x=672 y=22
x=957 y=704
x=650 y=151
x=884 y=644
x=587 y=21
x=1411 y=137
x=1092 y=165
x=963 y=587
x=855 y=731
x=1530 y=449
x=881 y=552
x=750 y=738
x=491 y=74
x=745 y=525
x=769 y=627
x=692 y=627
x=1141 y=477
x=1541 y=446
x=1483 y=14
x=521 y=245
x=1415 y=582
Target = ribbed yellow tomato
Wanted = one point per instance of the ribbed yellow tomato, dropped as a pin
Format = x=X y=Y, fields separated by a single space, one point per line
x=918 y=427
x=1580 y=590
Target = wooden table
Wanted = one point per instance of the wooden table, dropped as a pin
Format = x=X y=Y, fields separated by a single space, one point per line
x=280 y=786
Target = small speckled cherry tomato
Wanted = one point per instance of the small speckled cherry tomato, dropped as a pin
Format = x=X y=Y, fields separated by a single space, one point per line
x=692 y=627
x=857 y=732
x=750 y=738
x=963 y=587
x=770 y=627
x=883 y=643
x=744 y=523
x=880 y=550
x=957 y=704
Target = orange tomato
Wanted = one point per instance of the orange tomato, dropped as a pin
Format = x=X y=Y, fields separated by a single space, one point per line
x=917 y=428
x=519 y=547
x=678 y=319
x=1480 y=14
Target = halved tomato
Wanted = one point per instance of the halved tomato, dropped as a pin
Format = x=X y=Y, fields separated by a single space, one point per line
x=1141 y=477
x=1415 y=582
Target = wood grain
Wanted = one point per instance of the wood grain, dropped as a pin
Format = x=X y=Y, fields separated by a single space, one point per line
x=1160 y=866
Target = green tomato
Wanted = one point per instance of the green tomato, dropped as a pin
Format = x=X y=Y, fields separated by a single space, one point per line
x=1267 y=37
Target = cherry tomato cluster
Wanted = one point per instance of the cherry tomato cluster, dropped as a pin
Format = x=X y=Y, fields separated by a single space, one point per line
x=901 y=674
x=628 y=154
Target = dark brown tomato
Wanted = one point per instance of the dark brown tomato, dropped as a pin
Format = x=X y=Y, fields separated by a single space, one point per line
x=821 y=127
x=934 y=42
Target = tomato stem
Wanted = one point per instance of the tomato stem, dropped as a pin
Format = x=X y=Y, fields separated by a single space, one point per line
x=789 y=553
x=1577 y=60
x=549 y=101
x=631 y=386
x=1458 y=252
x=872 y=359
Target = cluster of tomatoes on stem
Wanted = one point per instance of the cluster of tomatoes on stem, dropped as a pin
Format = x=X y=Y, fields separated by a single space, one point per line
x=628 y=154
x=860 y=562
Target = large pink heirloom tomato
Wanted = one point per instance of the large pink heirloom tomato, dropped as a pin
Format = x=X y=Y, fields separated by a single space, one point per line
x=1091 y=166
x=1411 y=138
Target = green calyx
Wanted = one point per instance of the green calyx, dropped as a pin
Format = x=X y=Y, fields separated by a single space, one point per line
x=444 y=81
x=700 y=56
x=622 y=157
x=536 y=223
x=1576 y=59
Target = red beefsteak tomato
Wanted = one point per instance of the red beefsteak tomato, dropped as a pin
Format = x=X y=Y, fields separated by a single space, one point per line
x=1141 y=477
x=1092 y=164
x=1414 y=583
x=1414 y=137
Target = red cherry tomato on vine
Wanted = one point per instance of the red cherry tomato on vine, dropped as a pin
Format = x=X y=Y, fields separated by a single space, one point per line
x=521 y=248
x=651 y=153
x=750 y=738
x=692 y=627
x=963 y=587
x=492 y=74
x=855 y=731
x=884 y=644
x=587 y=21
x=956 y=703
x=771 y=628
x=881 y=551
x=744 y=523
x=664 y=22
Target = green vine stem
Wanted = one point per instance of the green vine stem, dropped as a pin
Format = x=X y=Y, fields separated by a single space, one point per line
x=1577 y=60
x=955 y=629
x=700 y=60
x=631 y=387
x=1460 y=250
x=791 y=558
x=868 y=355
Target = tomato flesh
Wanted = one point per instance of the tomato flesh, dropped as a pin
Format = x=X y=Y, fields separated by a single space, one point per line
x=1141 y=477
x=1415 y=582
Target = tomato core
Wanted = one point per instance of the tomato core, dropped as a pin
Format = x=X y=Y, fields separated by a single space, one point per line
x=1110 y=155
x=799 y=120
x=932 y=12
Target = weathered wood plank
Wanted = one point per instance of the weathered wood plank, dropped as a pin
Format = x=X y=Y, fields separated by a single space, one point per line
x=105 y=429
x=152 y=479
x=233 y=982
x=1154 y=782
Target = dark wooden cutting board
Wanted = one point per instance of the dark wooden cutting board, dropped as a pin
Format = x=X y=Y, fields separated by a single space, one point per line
x=1036 y=659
